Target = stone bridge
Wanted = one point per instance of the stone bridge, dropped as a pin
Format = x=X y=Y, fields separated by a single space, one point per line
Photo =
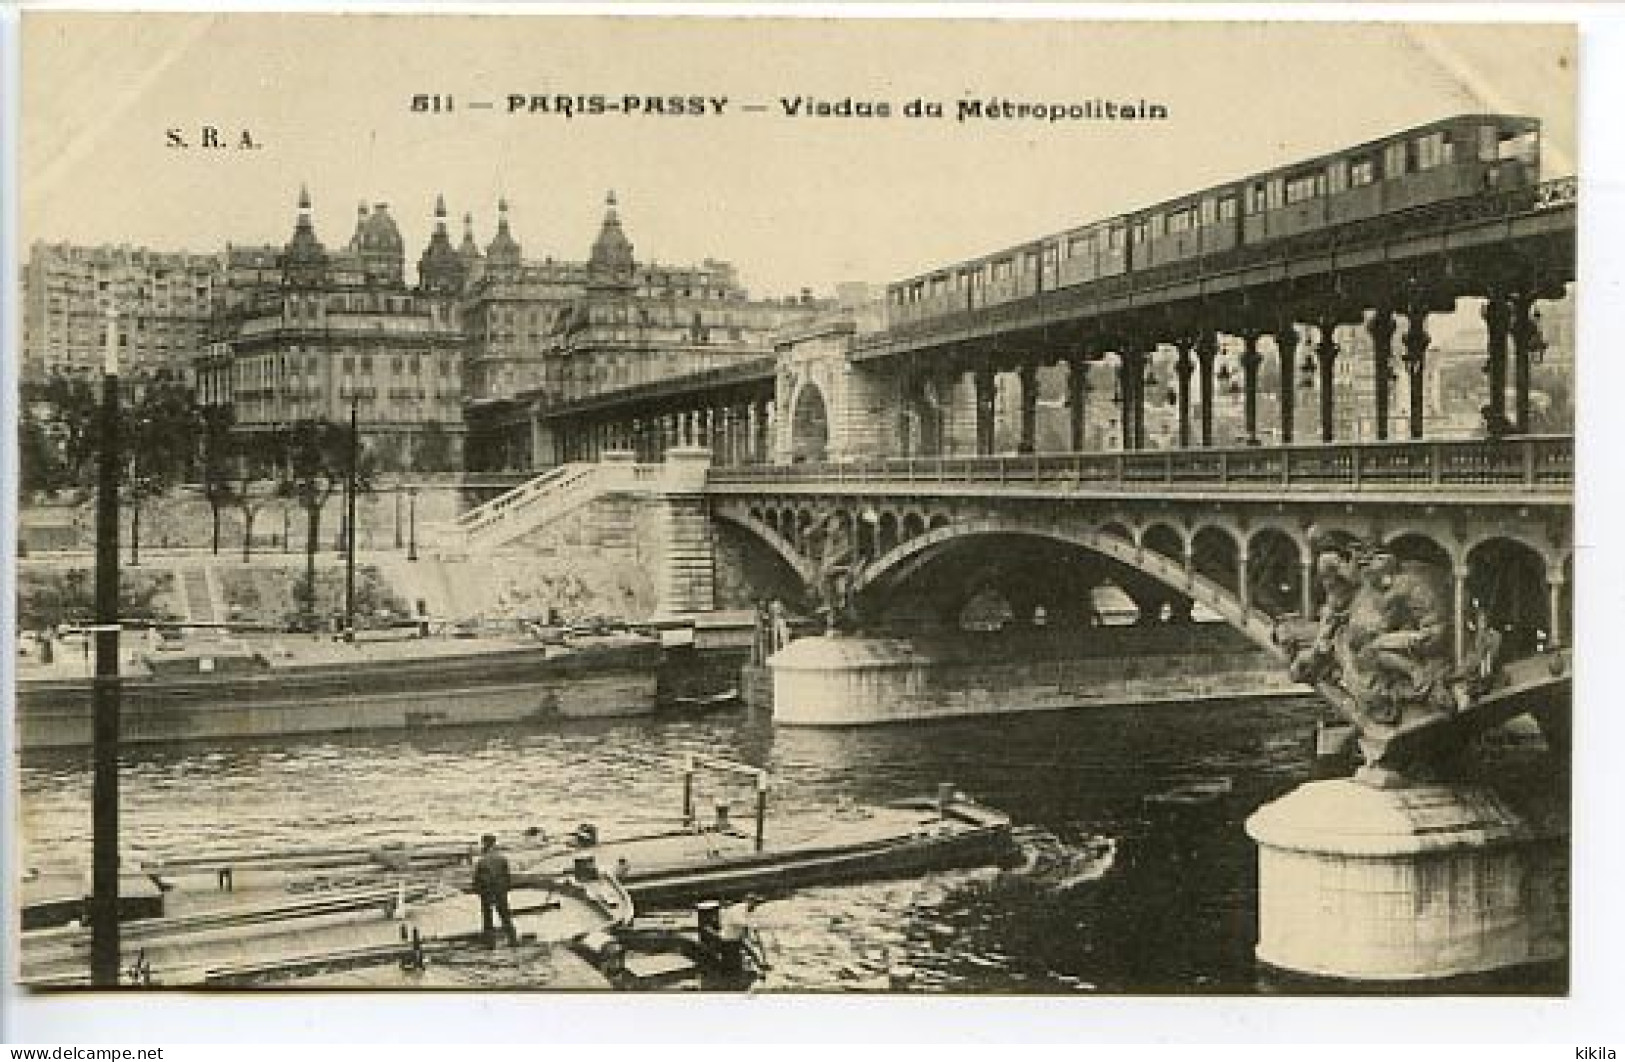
x=1229 y=530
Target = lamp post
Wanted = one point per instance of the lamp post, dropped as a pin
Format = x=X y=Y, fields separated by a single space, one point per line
x=104 y=927
x=349 y=520
x=412 y=523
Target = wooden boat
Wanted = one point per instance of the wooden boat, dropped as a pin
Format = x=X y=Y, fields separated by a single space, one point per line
x=257 y=936
x=856 y=844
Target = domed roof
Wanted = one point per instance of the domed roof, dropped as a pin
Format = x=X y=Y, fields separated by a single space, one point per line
x=376 y=231
x=611 y=251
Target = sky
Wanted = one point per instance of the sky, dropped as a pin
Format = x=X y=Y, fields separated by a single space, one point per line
x=792 y=201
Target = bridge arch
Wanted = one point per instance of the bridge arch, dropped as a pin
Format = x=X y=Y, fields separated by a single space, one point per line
x=1166 y=539
x=779 y=544
x=1216 y=555
x=900 y=563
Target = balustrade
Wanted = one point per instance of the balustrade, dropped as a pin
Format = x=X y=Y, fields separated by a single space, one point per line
x=1532 y=463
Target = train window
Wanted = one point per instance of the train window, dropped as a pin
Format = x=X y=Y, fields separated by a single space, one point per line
x=1255 y=204
x=1521 y=147
x=1052 y=255
x=1227 y=208
x=1301 y=188
x=1337 y=176
x=1393 y=161
x=1182 y=220
x=1208 y=211
x=1432 y=150
x=1362 y=172
x=1080 y=246
x=939 y=284
x=1114 y=238
x=1002 y=269
x=1140 y=232
x=1274 y=193
x=1029 y=262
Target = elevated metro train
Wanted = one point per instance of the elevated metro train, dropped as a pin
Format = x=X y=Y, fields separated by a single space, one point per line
x=1448 y=159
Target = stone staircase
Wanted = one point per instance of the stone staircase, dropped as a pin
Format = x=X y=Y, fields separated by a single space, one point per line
x=198 y=594
x=533 y=505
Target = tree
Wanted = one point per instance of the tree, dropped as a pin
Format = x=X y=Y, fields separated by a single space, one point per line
x=161 y=447
x=222 y=460
x=42 y=468
x=67 y=418
x=315 y=462
x=432 y=450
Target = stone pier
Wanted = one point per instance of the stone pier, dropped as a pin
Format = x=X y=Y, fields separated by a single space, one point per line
x=844 y=680
x=1425 y=882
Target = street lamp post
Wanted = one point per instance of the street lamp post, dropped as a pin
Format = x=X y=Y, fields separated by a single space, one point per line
x=349 y=519
x=412 y=518
x=105 y=691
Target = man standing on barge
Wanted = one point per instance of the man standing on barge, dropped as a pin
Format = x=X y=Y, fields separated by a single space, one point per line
x=491 y=881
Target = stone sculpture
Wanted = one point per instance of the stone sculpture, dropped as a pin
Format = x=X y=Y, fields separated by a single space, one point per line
x=1381 y=651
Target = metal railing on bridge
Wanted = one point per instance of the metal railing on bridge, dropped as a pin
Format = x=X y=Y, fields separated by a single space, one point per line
x=1538 y=464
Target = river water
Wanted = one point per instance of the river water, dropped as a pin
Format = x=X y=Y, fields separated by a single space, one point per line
x=1116 y=891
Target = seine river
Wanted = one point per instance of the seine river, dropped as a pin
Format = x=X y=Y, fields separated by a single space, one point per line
x=1117 y=890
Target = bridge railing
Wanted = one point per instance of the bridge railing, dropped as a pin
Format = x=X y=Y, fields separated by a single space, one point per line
x=1531 y=463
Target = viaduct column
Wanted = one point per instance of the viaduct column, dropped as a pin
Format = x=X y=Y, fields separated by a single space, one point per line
x=986 y=399
x=1525 y=334
x=1286 y=346
x=1183 y=367
x=1077 y=399
x=1554 y=588
x=1326 y=360
x=1207 y=348
x=1250 y=360
x=1416 y=340
x=1028 y=375
x=1497 y=315
x=1382 y=327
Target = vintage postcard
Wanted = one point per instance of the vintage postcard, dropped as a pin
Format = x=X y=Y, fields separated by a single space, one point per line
x=904 y=506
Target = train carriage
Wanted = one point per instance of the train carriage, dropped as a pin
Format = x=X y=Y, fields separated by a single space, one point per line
x=1442 y=161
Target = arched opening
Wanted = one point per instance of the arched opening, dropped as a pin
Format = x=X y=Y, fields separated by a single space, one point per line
x=1412 y=547
x=1164 y=540
x=913 y=526
x=804 y=523
x=1217 y=558
x=809 y=426
x=1116 y=530
x=938 y=521
x=1274 y=573
x=886 y=534
x=1506 y=588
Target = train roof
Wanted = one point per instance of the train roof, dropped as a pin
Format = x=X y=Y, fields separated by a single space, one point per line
x=1518 y=123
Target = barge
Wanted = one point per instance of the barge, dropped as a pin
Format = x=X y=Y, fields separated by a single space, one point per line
x=228 y=689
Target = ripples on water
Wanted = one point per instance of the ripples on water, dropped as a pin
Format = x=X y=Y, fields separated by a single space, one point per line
x=1113 y=892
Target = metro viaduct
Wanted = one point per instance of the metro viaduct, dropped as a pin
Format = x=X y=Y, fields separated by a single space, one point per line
x=880 y=394
x=851 y=442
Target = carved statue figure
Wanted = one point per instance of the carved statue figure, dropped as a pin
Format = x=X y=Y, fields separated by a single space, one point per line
x=1381 y=646
x=832 y=544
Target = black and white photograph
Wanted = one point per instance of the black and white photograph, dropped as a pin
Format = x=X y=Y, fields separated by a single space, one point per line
x=913 y=506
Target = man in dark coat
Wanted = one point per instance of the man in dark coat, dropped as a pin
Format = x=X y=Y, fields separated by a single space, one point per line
x=492 y=881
